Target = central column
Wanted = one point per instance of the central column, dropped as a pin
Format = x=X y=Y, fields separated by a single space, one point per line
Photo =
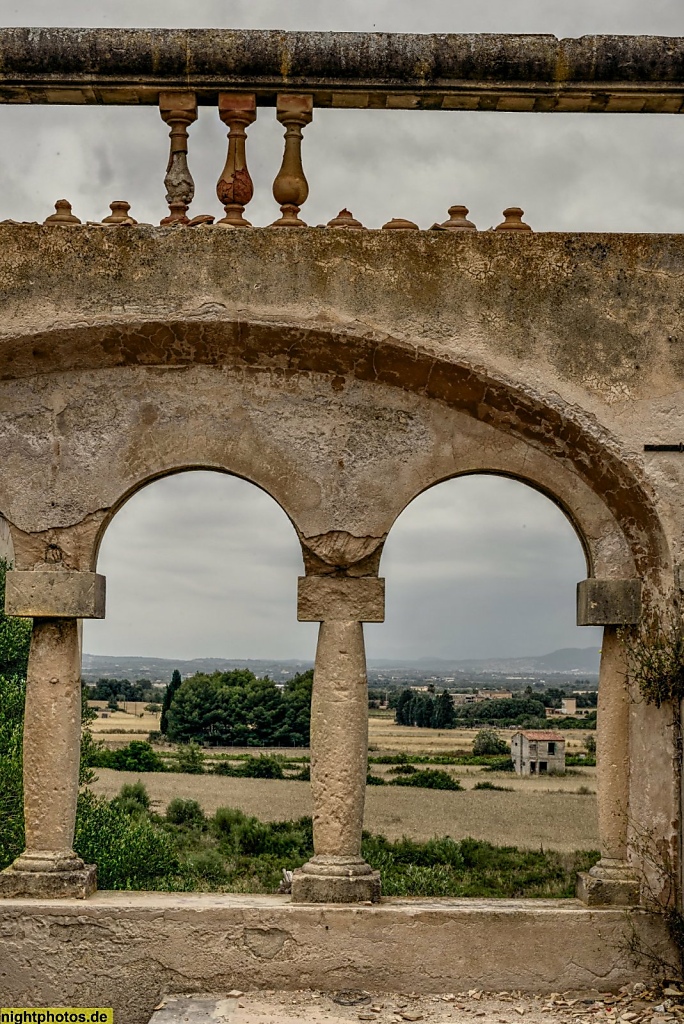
x=56 y=601
x=337 y=873
x=612 y=604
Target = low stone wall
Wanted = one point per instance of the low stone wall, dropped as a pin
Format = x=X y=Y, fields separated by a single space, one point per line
x=127 y=950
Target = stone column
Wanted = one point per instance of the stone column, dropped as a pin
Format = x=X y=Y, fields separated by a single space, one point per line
x=611 y=603
x=337 y=873
x=56 y=601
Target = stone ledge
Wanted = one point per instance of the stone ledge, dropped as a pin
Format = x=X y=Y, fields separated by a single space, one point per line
x=164 y=943
x=60 y=594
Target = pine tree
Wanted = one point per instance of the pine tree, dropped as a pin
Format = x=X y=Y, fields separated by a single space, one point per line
x=168 y=698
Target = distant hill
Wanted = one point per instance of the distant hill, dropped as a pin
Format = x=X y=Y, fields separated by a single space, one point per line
x=574 y=660
x=569 y=660
x=97 y=666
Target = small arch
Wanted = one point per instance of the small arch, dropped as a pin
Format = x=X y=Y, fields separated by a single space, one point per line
x=152 y=478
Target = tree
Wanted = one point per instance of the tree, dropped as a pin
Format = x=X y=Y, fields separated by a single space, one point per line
x=403 y=714
x=169 y=693
x=590 y=745
x=488 y=742
x=444 y=715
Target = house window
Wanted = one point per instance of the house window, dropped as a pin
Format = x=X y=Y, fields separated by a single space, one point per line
x=552 y=748
x=533 y=767
x=543 y=767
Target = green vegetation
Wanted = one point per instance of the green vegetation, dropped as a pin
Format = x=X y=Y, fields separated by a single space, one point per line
x=429 y=778
x=488 y=742
x=492 y=786
x=262 y=767
x=423 y=709
x=169 y=694
x=137 y=756
x=237 y=708
x=186 y=850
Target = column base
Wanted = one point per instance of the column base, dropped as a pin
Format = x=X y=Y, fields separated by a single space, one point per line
x=46 y=875
x=328 y=879
x=610 y=883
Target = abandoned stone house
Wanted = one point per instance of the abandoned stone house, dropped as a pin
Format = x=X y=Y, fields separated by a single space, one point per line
x=537 y=752
x=344 y=371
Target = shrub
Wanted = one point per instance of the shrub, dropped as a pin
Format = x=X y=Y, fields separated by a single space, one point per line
x=240 y=834
x=491 y=786
x=375 y=780
x=488 y=742
x=133 y=799
x=137 y=756
x=131 y=852
x=590 y=745
x=403 y=769
x=304 y=775
x=185 y=812
x=262 y=767
x=190 y=759
x=429 y=778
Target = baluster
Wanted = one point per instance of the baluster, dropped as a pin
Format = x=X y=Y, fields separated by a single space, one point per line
x=179 y=110
x=235 y=188
x=290 y=188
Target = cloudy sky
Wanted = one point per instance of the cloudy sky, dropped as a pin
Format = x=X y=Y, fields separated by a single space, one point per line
x=476 y=567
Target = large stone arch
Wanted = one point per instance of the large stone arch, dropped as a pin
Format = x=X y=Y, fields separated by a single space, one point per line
x=413 y=413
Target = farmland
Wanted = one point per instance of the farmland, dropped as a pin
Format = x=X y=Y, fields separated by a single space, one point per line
x=534 y=812
x=549 y=813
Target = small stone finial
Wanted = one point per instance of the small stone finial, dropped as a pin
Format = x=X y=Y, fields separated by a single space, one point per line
x=119 y=214
x=400 y=224
x=458 y=220
x=345 y=219
x=62 y=214
x=179 y=110
x=235 y=188
x=290 y=188
x=513 y=220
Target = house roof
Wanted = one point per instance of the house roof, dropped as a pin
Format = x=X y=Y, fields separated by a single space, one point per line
x=542 y=734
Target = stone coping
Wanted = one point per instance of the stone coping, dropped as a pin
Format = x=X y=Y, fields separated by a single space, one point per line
x=612 y=73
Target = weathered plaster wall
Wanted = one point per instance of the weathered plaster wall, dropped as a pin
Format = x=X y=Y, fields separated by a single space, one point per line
x=266 y=343
x=345 y=372
x=127 y=950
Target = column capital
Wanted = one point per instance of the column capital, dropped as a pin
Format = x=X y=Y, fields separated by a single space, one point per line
x=340 y=599
x=608 y=602
x=55 y=595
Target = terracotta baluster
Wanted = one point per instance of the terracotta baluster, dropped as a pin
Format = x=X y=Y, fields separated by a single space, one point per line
x=346 y=220
x=234 y=188
x=513 y=220
x=290 y=188
x=62 y=214
x=400 y=224
x=119 y=214
x=179 y=110
x=458 y=220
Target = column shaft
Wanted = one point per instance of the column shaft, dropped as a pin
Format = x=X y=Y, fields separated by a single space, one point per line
x=612 y=881
x=52 y=740
x=339 y=739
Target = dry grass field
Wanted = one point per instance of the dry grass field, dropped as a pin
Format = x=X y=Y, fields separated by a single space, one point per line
x=384 y=736
x=546 y=813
